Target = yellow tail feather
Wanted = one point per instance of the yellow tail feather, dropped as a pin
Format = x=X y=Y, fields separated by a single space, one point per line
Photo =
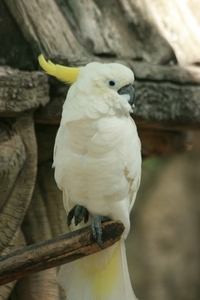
x=105 y=280
x=86 y=280
x=66 y=74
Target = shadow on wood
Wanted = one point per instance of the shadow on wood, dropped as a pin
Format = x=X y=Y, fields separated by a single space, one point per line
x=57 y=251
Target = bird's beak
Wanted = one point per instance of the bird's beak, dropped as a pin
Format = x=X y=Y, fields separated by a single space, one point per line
x=128 y=92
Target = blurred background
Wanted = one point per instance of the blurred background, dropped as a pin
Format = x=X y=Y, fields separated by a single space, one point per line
x=163 y=246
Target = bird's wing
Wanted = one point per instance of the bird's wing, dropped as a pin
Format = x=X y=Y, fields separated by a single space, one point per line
x=120 y=135
x=132 y=153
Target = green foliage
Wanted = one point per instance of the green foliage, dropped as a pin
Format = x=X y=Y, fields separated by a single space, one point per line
x=153 y=164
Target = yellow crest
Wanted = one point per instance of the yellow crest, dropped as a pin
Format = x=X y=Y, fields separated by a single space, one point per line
x=66 y=74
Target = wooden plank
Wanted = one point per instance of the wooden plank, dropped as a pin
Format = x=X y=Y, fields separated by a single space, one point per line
x=57 y=251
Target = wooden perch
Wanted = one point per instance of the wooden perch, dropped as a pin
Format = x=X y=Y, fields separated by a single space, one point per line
x=57 y=251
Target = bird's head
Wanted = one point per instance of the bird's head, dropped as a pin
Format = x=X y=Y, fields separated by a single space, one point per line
x=110 y=82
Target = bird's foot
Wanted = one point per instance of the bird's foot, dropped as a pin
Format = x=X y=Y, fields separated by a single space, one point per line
x=97 y=229
x=79 y=213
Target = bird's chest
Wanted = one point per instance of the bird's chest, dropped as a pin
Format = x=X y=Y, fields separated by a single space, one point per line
x=79 y=136
x=87 y=138
x=92 y=153
x=91 y=162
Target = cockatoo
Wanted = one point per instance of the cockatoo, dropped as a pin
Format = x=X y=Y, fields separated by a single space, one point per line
x=97 y=161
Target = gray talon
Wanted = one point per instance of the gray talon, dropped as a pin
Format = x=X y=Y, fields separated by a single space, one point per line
x=97 y=229
x=79 y=213
x=70 y=216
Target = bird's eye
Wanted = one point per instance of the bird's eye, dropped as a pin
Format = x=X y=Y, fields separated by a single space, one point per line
x=112 y=83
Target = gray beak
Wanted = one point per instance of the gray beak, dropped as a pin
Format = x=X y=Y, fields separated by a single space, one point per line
x=128 y=90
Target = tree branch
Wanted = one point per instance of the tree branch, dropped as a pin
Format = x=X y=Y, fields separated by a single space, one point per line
x=57 y=251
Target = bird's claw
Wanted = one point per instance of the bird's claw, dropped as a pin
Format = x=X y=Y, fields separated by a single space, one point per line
x=79 y=213
x=97 y=229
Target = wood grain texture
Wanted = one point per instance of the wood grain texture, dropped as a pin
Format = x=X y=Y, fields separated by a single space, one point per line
x=77 y=29
x=45 y=28
x=18 y=159
x=57 y=251
x=17 y=242
x=17 y=177
x=111 y=28
x=21 y=91
x=167 y=102
x=158 y=73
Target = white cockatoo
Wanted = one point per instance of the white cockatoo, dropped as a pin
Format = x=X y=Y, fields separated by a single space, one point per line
x=97 y=160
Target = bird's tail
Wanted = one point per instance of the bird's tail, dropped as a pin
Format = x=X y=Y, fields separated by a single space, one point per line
x=100 y=276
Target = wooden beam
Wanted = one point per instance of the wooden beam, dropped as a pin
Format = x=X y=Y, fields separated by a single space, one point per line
x=57 y=251
x=167 y=102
